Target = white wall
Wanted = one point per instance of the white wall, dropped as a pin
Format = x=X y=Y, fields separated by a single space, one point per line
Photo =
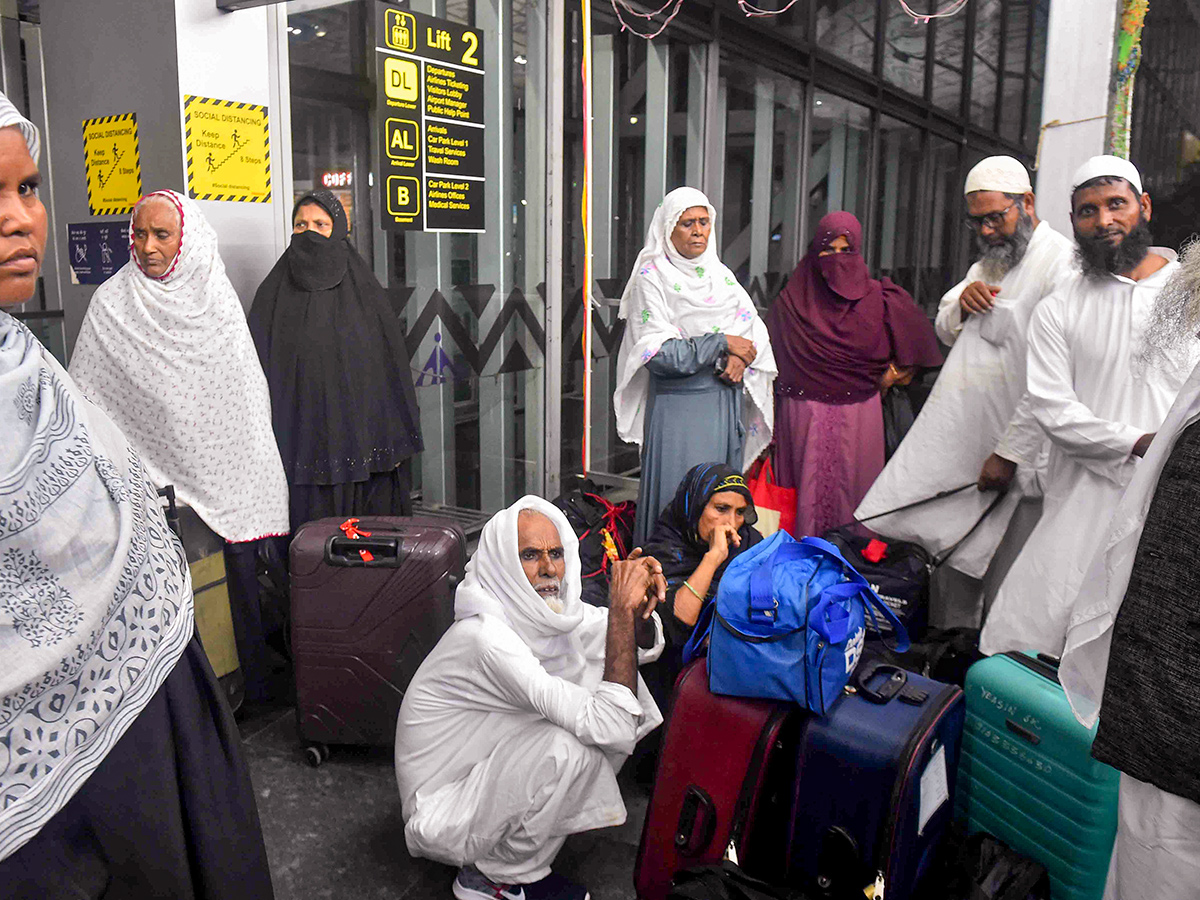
x=1079 y=60
x=240 y=56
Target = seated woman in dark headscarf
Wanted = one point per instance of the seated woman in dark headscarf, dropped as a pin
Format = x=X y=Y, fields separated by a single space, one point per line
x=709 y=522
x=342 y=398
x=841 y=340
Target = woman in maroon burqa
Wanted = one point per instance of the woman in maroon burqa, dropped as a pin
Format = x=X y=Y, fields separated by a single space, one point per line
x=841 y=338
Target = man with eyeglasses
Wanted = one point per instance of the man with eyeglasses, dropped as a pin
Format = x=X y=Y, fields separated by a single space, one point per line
x=971 y=428
x=1099 y=394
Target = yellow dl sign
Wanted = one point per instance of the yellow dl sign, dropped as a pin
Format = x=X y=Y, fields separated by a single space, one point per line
x=228 y=150
x=111 y=164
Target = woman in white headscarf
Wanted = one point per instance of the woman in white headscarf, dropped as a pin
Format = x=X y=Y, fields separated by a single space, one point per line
x=695 y=368
x=166 y=352
x=121 y=772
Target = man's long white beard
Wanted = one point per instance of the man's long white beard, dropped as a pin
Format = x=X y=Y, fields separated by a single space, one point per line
x=1175 y=319
x=554 y=601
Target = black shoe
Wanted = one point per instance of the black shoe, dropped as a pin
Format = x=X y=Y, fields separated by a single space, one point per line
x=555 y=887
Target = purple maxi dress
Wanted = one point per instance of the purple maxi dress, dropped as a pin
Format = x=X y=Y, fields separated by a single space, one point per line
x=835 y=330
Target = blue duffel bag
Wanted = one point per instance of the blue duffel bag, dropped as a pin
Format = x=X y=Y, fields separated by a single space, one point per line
x=788 y=623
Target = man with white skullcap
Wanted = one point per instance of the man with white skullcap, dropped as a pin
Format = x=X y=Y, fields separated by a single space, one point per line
x=971 y=428
x=1096 y=396
x=513 y=729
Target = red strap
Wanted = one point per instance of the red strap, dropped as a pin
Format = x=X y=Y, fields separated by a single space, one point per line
x=350 y=530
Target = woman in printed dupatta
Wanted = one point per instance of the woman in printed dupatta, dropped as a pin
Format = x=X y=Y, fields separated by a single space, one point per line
x=695 y=367
x=121 y=773
x=841 y=338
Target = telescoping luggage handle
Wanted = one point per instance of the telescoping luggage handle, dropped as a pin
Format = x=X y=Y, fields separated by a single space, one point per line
x=939 y=561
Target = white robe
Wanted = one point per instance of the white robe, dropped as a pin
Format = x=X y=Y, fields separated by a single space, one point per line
x=502 y=750
x=1094 y=398
x=1157 y=852
x=971 y=413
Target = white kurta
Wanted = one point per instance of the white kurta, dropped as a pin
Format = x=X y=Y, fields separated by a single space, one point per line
x=970 y=413
x=1094 y=398
x=1157 y=851
x=498 y=761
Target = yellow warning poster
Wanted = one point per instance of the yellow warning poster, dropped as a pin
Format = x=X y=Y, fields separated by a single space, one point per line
x=111 y=164
x=228 y=150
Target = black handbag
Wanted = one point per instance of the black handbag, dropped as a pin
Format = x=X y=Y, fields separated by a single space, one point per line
x=901 y=576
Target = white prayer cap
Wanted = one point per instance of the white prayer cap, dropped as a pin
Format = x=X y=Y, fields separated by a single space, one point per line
x=1110 y=166
x=998 y=173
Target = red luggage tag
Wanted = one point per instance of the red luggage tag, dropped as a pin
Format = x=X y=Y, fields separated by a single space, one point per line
x=875 y=551
x=351 y=530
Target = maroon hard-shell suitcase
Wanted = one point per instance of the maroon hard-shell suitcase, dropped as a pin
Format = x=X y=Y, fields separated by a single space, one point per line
x=718 y=757
x=363 y=622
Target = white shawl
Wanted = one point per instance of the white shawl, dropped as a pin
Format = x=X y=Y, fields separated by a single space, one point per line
x=669 y=296
x=95 y=597
x=172 y=362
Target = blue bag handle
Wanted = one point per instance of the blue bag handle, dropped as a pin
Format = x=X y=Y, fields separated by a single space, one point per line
x=704 y=623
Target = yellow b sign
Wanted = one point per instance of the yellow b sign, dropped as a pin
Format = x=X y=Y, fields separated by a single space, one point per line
x=228 y=150
x=111 y=164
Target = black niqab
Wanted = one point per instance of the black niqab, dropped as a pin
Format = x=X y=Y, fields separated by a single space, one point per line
x=342 y=398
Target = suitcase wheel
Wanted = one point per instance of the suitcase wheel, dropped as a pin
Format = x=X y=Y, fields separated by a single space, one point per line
x=316 y=754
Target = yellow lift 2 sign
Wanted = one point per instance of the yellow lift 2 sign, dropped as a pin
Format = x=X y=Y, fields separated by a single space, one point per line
x=228 y=149
x=111 y=163
x=431 y=82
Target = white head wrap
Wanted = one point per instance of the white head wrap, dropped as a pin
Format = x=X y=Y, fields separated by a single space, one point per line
x=171 y=361
x=1111 y=166
x=669 y=296
x=496 y=585
x=998 y=173
x=9 y=116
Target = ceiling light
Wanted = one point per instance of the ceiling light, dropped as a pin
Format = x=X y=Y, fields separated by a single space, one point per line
x=520 y=60
x=321 y=33
x=633 y=120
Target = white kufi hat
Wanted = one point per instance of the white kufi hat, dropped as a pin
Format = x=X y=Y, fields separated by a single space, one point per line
x=998 y=173
x=1110 y=166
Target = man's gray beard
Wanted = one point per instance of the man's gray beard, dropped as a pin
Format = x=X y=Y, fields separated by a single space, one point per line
x=1175 y=319
x=555 y=601
x=997 y=260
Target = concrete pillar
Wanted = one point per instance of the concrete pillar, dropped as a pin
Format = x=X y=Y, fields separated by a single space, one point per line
x=153 y=53
x=1079 y=58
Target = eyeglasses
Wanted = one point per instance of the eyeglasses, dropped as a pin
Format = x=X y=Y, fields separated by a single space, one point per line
x=992 y=220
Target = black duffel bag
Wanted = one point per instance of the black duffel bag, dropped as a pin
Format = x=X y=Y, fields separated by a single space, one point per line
x=900 y=571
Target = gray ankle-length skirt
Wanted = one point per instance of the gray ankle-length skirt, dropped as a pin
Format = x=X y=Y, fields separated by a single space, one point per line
x=169 y=812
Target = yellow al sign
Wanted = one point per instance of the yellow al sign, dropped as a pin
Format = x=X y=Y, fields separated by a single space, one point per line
x=111 y=164
x=228 y=149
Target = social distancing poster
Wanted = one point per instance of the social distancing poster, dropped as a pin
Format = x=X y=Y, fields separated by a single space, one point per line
x=228 y=150
x=112 y=166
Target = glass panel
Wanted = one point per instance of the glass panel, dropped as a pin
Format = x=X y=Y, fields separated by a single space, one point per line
x=648 y=138
x=760 y=210
x=1037 y=70
x=904 y=51
x=1016 y=37
x=986 y=50
x=898 y=202
x=948 y=48
x=841 y=150
x=946 y=233
x=329 y=38
x=471 y=303
x=846 y=28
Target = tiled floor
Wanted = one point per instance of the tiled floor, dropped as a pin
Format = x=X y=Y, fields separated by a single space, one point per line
x=336 y=832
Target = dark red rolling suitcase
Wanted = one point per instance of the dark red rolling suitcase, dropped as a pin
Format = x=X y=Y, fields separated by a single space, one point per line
x=718 y=755
x=366 y=611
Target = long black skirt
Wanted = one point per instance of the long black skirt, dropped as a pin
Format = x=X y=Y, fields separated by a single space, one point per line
x=170 y=811
x=383 y=494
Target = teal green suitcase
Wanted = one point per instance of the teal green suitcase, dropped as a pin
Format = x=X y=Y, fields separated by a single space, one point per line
x=1026 y=774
